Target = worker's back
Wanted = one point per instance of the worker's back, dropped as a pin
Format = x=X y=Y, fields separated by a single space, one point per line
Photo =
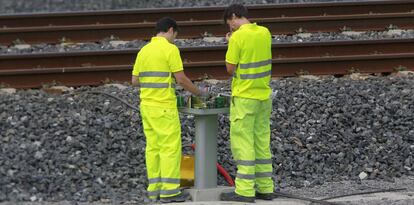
x=155 y=65
x=250 y=48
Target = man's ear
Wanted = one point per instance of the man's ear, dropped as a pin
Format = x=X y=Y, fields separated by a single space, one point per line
x=171 y=30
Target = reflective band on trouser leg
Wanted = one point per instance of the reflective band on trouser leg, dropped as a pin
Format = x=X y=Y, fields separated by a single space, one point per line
x=153 y=194
x=153 y=180
x=152 y=149
x=242 y=145
x=170 y=180
x=170 y=192
x=246 y=162
x=253 y=162
x=264 y=180
x=169 y=132
x=164 y=180
x=254 y=176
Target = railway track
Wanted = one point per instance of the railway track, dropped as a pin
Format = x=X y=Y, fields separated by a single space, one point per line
x=96 y=75
x=196 y=22
x=202 y=13
x=289 y=59
x=206 y=53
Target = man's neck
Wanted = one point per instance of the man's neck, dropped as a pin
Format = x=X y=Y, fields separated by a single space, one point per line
x=164 y=35
x=243 y=21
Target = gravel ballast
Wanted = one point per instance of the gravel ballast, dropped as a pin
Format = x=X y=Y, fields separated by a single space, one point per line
x=80 y=147
x=115 y=43
x=22 y=6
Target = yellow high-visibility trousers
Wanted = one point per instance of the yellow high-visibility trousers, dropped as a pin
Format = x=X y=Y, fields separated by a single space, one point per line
x=250 y=145
x=162 y=131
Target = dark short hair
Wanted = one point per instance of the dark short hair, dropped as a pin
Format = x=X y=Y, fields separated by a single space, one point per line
x=164 y=24
x=237 y=9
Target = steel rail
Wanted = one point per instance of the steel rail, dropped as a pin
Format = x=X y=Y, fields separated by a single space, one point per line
x=207 y=53
x=196 y=29
x=202 y=13
x=96 y=75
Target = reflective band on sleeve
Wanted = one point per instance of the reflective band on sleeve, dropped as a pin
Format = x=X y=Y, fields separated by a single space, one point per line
x=263 y=174
x=154 y=74
x=153 y=85
x=169 y=192
x=255 y=64
x=255 y=76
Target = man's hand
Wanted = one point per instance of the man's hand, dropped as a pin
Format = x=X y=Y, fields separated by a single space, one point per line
x=135 y=81
x=228 y=35
x=186 y=83
x=204 y=91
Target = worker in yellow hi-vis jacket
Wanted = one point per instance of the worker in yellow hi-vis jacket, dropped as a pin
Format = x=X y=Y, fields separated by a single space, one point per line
x=249 y=60
x=158 y=67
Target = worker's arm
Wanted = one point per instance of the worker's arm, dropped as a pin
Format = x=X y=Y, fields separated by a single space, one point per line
x=135 y=81
x=186 y=83
x=135 y=71
x=232 y=54
x=230 y=68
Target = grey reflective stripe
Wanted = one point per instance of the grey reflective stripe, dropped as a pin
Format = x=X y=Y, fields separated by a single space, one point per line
x=154 y=85
x=263 y=161
x=245 y=162
x=253 y=162
x=165 y=180
x=153 y=180
x=255 y=64
x=170 y=180
x=245 y=176
x=253 y=176
x=263 y=174
x=169 y=192
x=153 y=193
x=154 y=74
x=254 y=76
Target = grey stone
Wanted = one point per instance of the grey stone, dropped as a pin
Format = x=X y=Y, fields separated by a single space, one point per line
x=363 y=175
x=117 y=43
x=22 y=46
x=322 y=130
x=7 y=90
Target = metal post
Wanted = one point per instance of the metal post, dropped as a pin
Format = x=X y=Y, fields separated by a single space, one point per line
x=206 y=151
x=206 y=128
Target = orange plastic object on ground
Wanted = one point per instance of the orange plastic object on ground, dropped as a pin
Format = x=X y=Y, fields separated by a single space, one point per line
x=187 y=171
